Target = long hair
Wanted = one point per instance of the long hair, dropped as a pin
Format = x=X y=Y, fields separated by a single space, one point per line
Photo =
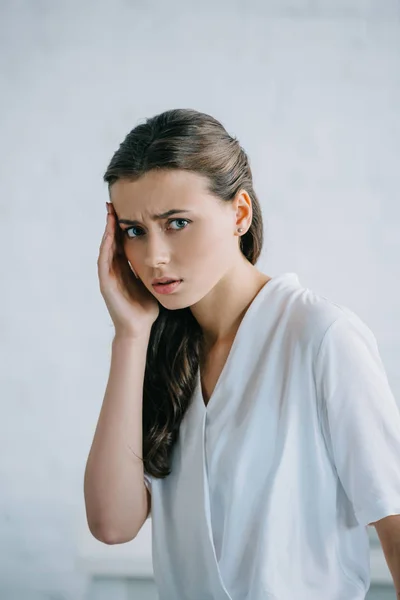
x=193 y=141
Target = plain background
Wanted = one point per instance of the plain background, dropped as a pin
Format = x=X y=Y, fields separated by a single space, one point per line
x=312 y=91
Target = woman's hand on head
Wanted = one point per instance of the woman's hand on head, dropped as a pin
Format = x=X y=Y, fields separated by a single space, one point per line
x=133 y=309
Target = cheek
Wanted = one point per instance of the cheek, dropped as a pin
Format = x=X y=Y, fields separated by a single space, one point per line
x=210 y=244
x=199 y=243
x=133 y=255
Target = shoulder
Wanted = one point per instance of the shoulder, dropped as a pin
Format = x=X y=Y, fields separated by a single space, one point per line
x=312 y=318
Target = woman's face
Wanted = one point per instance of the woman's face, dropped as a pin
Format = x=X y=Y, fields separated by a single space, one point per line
x=198 y=244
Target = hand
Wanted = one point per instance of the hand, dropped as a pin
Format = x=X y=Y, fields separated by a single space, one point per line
x=133 y=309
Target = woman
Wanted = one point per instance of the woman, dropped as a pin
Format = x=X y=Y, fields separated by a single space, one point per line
x=250 y=415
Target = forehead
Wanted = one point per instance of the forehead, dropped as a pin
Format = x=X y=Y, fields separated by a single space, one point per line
x=157 y=189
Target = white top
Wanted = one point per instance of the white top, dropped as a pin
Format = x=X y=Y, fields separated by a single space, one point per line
x=274 y=481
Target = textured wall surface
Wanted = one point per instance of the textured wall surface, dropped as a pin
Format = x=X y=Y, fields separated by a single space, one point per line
x=312 y=90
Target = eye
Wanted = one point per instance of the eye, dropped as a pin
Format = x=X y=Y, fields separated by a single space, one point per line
x=129 y=229
x=128 y=235
x=172 y=220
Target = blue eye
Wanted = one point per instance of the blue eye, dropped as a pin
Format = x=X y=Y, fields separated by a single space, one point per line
x=128 y=235
x=126 y=232
x=179 y=220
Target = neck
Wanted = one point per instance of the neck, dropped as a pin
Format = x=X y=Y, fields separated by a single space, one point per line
x=220 y=313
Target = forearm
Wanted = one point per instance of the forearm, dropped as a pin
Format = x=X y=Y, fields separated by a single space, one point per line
x=393 y=562
x=115 y=495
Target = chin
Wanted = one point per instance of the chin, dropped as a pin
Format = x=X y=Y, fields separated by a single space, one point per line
x=171 y=303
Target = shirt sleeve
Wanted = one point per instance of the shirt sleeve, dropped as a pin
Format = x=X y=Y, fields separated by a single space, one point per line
x=147 y=483
x=361 y=419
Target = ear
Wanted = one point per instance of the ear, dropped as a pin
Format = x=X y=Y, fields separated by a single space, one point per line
x=243 y=210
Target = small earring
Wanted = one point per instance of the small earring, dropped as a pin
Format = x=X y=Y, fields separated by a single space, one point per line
x=240 y=229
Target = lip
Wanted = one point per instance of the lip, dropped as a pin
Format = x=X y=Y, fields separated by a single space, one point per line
x=167 y=288
x=164 y=279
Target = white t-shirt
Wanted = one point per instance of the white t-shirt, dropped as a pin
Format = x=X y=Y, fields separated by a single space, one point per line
x=274 y=482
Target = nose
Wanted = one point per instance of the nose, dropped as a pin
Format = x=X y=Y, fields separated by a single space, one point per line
x=156 y=252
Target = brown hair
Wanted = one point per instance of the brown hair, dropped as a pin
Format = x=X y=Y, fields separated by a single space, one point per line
x=197 y=142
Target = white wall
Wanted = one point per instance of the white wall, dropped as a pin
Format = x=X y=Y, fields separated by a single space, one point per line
x=312 y=90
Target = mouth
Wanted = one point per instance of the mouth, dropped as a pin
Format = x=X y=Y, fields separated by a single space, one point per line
x=166 y=288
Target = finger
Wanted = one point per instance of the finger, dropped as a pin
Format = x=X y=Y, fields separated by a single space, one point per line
x=102 y=259
x=104 y=239
x=108 y=229
x=105 y=253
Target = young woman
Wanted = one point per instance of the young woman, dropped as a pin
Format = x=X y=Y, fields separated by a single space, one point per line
x=251 y=417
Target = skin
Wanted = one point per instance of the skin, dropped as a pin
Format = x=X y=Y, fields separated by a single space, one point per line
x=201 y=247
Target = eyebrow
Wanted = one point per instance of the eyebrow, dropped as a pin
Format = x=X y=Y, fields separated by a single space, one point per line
x=156 y=217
